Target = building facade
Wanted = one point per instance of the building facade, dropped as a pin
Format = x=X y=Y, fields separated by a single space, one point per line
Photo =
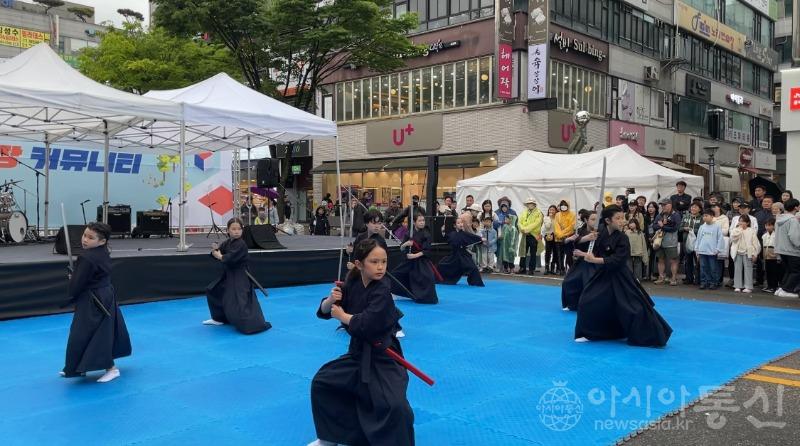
x=23 y=25
x=667 y=79
x=787 y=45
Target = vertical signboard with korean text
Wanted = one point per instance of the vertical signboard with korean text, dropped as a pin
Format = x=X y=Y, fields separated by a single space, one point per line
x=538 y=41
x=504 y=26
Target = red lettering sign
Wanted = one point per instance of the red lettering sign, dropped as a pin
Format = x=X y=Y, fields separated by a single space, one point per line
x=794 y=99
x=504 y=71
x=8 y=156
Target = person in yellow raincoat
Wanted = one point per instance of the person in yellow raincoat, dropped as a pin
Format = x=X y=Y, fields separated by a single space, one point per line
x=530 y=228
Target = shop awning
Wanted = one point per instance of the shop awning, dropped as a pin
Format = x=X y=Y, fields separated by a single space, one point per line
x=481 y=159
x=670 y=165
x=727 y=179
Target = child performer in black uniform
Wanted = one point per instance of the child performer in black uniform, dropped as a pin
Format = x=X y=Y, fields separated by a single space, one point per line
x=417 y=275
x=232 y=298
x=98 y=334
x=613 y=304
x=460 y=262
x=360 y=398
x=578 y=276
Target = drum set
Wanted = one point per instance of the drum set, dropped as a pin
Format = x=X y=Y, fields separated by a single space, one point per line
x=13 y=222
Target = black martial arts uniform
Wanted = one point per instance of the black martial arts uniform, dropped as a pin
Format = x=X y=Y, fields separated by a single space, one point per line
x=360 y=398
x=232 y=298
x=417 y=276
x=460 y=262
x=613 y=304
x=95 y=339
x=578 y=276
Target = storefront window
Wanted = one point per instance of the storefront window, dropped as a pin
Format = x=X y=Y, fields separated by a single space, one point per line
x=472 y=82
x=692 y=117
x=438 y=85
x=738 y=127
x=587 y=87
x=459 y=84
x=449 y=84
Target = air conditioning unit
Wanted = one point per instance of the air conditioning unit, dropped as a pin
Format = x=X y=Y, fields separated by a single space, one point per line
x=651 y=73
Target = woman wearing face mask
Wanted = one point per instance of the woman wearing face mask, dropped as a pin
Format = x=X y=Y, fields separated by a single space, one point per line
x=613 y=304
x=564 y=227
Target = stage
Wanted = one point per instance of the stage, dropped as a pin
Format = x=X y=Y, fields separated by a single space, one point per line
x=33 y=279
x=506 y=367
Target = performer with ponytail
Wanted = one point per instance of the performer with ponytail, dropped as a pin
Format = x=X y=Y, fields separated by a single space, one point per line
x=417 y=275
x=578 y=276
x=613 y=304
x=360 y=398
x=98 y=334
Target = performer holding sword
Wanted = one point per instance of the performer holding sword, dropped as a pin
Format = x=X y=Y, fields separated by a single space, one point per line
x=98 y=334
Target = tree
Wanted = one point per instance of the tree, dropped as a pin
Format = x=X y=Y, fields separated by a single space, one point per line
x=49 y=4
x=305 y=40
x=133 y=60
x=130 y=15
x=82 y=12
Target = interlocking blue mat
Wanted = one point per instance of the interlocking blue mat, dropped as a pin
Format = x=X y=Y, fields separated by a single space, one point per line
x=507 y=370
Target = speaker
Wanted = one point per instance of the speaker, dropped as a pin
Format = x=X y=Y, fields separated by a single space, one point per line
x=268 y=172
x=152 y=223
x=261 y=237
x=119 y=218
x=75 y=234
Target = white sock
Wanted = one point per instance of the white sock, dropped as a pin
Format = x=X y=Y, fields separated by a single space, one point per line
x=581 y=339
x=399 y=334
x=212 y=322
x=109 y=376
x=319 y=442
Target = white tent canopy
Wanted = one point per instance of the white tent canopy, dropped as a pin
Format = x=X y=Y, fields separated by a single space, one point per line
x=551 y=177
x=222 y=114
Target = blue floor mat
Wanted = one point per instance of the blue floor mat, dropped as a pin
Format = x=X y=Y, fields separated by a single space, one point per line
x=507 y=371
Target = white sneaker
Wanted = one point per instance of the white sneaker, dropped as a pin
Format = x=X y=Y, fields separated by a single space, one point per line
x=581 y=339
x=399 y=334
x=565 y=309
x=785 y=294
x=779 y=291
x=212 y=322
x=747 y=290
x=109 y=376
x=319 y=442
x=737 y=290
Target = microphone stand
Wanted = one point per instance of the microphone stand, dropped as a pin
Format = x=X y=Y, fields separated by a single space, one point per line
x=214 y=228
x=169 y=217
x=83 y=209
x=38 y=174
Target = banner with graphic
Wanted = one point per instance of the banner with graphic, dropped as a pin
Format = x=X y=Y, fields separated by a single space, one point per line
x=142 y=181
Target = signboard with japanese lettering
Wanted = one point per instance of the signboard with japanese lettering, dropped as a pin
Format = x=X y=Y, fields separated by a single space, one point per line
x=710 y=29
x=538 y=42
x=504 y=23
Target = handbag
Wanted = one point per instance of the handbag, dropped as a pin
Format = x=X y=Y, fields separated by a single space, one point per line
x=658 y=237
x=690 y=240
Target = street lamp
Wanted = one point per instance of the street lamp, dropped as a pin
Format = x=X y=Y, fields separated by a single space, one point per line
x=711 y=150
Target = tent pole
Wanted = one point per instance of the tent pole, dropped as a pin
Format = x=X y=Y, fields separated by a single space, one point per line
x=249 y=191
x=182 y=204
x=105 y=171
x=46 y=182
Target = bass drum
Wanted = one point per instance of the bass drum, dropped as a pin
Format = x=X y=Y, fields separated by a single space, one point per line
x=13 y=225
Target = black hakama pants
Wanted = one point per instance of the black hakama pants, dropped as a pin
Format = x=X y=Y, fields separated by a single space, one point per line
x=232 y=300
x=96 y=340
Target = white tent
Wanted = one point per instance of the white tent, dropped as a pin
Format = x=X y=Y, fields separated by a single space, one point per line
x=551 y=177
x=43 y=99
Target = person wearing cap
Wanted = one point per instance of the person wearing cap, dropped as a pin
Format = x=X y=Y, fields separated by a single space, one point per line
x=681 y=201
x=530 y=226
x=400 y=218
x=668 y=221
